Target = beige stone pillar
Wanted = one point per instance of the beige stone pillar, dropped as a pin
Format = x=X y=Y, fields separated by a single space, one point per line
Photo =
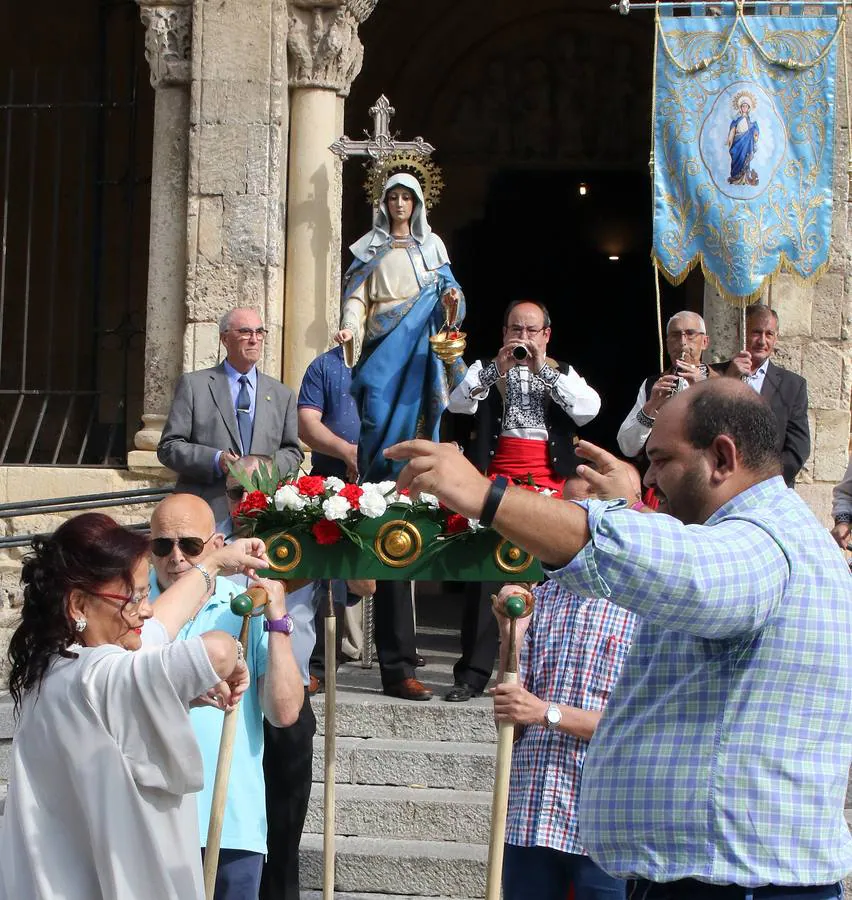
x=167 y=49
x=324 y=56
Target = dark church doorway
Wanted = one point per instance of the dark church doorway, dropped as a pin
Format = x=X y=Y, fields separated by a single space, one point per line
x=578 y=242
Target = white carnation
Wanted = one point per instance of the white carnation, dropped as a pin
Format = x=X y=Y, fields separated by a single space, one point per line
x=336 y=507
x=473 y=525
x=287 y=497
x=333 y=483
x=385 y=487
x=372 y=504
x=400 y=498
x=429 y=500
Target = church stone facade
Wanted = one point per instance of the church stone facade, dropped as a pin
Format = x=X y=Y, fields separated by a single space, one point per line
x=246 y=199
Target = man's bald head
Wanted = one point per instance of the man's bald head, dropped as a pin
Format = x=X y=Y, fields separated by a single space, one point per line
x=181 y=516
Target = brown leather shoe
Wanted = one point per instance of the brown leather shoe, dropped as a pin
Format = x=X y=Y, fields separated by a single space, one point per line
x=409 y=689
x=315 y=686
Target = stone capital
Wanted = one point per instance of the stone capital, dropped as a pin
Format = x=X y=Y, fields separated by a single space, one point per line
x=168 y=40
x=323 y=47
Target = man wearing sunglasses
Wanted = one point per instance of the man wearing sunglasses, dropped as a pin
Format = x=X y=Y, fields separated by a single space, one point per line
x=183 y=534
x=229 y=411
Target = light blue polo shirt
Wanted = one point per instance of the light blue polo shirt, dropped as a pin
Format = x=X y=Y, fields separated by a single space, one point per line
x=244 y=827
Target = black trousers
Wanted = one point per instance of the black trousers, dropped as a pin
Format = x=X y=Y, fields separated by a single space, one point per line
x=479 y=636
x=287 y=763
x=396 y=646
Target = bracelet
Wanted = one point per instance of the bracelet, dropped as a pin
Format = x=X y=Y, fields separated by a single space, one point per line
x=492 y=500
x=843 y=519
x=208 y=581
x=644 y=419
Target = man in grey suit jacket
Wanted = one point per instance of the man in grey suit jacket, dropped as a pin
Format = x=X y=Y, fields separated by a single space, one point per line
x=785 y=391
x=203 y=436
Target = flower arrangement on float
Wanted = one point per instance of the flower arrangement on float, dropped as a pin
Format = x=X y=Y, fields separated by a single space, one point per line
x=308 y=522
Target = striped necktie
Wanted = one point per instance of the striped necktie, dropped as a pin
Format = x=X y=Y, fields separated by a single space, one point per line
x=244 y=422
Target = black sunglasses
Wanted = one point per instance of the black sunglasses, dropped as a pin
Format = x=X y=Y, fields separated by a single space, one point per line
x=235 y=493
x=189 y=546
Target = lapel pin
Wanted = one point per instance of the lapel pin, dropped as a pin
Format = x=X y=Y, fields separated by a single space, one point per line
x=268 y=397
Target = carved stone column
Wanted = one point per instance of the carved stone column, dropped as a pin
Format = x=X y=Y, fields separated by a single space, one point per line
x=168 y=28
x=324 y=56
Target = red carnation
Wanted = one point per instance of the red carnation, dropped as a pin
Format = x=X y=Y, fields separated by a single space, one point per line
x=253 y=502
x=351 y=492
x=326 y=532
x=456 y=524
x=311 y=485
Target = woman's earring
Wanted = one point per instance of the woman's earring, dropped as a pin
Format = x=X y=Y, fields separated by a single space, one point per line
x=80 y=624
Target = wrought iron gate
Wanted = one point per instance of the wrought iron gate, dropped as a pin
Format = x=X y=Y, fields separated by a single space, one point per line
x=75 y=170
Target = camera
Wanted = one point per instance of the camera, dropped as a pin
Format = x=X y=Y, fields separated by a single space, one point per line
x=520 y=352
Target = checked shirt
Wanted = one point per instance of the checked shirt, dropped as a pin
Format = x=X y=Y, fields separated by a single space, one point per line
x=572 y=654
x=724 y=752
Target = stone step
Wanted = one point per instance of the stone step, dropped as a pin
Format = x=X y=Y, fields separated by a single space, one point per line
x=404 y=868
x=404 y=813
x=434 y=764
x=371 y=714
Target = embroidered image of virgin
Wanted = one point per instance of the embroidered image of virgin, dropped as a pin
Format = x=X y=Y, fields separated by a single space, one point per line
x=742 y=140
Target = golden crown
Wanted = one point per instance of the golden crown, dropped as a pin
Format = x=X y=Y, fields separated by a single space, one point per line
x=427 y=172
x=744 y=95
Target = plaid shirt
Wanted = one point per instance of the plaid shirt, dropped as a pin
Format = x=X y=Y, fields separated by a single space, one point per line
x=725 y=750
x=572 y=654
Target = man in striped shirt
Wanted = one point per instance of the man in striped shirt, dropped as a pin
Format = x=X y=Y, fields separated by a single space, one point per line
x=719 y=768
x=571 y=651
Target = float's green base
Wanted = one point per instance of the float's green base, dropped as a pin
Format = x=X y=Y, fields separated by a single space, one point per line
x=400 y=547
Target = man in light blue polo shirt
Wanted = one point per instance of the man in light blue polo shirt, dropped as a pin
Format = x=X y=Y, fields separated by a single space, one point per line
x=182 y=534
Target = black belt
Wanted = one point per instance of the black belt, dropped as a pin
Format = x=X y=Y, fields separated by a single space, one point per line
x=690 y=889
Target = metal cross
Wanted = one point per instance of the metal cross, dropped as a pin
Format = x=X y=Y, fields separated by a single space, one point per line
x=381 y=143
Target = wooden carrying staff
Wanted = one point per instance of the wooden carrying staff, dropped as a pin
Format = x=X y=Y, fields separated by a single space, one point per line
x=330 y=747
x=517 y=607
x=247 y=605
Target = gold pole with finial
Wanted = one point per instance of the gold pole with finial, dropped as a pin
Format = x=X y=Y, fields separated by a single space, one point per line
x=517 y=607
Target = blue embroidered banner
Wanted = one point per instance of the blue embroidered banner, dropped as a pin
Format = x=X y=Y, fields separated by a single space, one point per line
x=743 y=148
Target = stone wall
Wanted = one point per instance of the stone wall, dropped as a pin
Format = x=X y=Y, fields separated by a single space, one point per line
x=238 y=132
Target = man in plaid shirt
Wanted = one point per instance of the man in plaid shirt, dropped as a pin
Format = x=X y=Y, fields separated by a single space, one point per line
x=571 y=651
x=720 y=765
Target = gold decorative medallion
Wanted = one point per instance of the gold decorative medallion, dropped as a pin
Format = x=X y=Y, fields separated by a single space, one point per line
x=398 y=543
x=510 y=558
x=284 y=552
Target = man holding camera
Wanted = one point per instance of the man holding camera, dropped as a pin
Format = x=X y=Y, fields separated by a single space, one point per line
x=527 y=408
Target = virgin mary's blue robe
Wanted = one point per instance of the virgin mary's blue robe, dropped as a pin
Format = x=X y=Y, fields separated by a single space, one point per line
x=742 y=149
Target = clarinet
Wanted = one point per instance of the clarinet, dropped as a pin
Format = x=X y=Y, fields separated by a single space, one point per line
x=682 y=383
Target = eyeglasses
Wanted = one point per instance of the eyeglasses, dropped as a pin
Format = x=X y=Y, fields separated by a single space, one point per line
x=121 y=601
x=688 y=333
x=519 y=330
x=245 y=334
x=189 y=546
x=235 y=493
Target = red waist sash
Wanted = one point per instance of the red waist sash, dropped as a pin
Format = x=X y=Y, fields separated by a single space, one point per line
x=520 y=458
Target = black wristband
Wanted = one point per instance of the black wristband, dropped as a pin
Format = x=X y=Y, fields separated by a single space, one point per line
x=843 y=519
x=492 y=501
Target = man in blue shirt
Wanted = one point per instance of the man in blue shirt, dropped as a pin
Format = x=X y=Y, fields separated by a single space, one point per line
x=329 y=425
x=182 y=534
x=719 y=767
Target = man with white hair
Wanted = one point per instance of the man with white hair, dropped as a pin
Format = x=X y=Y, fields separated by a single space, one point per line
x=229 y=411
x=686 y=340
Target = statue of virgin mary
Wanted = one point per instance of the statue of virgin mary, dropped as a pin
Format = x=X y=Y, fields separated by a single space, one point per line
x=398 y=292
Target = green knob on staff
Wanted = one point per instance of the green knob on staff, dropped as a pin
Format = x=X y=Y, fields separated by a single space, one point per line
x=241 y=605
x=515 y=606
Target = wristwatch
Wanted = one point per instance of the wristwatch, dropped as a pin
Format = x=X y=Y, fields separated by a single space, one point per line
x=284 y=624
x=552 y=717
